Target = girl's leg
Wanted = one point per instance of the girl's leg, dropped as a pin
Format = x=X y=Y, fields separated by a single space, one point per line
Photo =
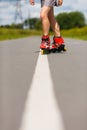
x=45 y=42
x=54 y=25
x=45 y=20
x=57 y=39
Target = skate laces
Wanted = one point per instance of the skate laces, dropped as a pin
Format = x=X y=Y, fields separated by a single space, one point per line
x=45 y=41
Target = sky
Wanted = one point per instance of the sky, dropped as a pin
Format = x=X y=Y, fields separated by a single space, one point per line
x=12 y=12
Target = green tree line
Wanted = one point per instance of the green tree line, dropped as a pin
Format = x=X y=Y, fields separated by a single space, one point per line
x=71 y=20
x=65 y=20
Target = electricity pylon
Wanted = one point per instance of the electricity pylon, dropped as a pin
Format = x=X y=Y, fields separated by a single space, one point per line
x=18 y=12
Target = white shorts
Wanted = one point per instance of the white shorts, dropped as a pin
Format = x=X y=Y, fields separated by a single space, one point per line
x=49 y=3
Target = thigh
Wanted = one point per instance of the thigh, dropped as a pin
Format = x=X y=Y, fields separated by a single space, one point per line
x=45 y=10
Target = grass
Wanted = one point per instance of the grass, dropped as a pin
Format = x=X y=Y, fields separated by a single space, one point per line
x=76 y=33
x=7 y=34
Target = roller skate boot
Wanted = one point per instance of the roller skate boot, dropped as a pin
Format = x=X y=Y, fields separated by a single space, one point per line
x=58 y=45
x=45 y=45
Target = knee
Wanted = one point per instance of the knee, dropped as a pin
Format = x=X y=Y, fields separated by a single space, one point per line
x=43 y=15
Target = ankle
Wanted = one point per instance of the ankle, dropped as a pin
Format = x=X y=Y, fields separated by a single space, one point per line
x=58 y=36
x=45 y=36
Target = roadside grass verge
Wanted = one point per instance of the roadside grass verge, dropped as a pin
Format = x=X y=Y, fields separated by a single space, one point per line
x=76 y=33
x=7 y=34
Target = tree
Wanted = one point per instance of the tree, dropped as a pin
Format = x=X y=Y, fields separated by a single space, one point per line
x=38 y=25
x=77 y=19
x=31 y=22
x=71 y=20
x=63 y=20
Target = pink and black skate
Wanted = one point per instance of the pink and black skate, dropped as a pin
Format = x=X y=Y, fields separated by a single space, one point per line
x=45 y=45
x=58 y=44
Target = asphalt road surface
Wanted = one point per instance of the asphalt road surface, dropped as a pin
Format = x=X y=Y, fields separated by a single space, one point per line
x=20 y=64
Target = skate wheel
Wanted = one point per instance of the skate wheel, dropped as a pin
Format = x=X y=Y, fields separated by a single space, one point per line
x=42 y=52
x=65 y=49
x=54 y=50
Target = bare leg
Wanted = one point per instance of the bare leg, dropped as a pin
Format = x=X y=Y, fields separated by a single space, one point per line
x=45 y=20
x=53 y=23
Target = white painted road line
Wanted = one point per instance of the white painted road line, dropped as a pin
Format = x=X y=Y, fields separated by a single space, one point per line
x=41 y=110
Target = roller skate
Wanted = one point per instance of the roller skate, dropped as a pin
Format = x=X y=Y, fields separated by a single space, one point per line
x=58 y=45
x=45 y=45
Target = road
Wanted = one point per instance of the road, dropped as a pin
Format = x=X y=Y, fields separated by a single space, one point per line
x=66 y=87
